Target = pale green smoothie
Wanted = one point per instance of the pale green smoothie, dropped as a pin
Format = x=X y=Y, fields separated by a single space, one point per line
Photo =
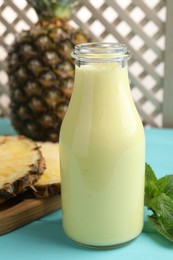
x=102 y=154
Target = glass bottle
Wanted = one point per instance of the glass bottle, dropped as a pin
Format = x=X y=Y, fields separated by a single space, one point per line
x=102 y=151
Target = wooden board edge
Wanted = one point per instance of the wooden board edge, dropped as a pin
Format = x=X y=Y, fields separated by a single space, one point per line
x=27 y=211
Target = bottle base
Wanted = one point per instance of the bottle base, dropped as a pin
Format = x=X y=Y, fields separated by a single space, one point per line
x=106 y=247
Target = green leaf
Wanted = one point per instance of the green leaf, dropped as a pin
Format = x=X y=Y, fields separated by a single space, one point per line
x=163 y=206
x=162 y=219
x=52 y=8
x=166 y=185
x=159 y=199
x=151 y=186
x=160 y=226
x=150 y=173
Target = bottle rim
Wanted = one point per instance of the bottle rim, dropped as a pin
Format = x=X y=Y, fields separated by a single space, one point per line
x=101 y=52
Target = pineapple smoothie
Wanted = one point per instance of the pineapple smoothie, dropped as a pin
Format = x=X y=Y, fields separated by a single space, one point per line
x=102 y=154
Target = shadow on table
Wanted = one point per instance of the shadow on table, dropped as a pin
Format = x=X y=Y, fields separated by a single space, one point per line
x=49 y=233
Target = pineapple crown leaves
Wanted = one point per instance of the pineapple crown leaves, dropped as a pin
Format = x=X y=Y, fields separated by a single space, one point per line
x=52 y=8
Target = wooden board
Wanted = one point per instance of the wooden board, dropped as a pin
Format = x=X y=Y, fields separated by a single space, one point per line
x=15 y=214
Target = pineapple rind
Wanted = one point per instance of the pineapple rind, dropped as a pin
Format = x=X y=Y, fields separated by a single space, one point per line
x=47 y=191
x=21 y=165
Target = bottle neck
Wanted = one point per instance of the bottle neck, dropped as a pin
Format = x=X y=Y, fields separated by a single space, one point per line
x=119 y=64
x=101 y=53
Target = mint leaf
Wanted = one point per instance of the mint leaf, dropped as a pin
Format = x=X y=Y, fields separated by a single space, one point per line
x=166 y=185
x=150 y=173
x=160 y=226
x=162 y=219
x=151 y=186
x=163 y=206
x=159 y=199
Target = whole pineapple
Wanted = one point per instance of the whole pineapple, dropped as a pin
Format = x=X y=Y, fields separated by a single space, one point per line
x=41 y=71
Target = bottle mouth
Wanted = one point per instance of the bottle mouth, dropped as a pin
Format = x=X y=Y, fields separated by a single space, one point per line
x=101 y=52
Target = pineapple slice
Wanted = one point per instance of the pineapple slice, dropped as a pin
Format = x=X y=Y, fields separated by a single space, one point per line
x=21 y=165
x=49 y=183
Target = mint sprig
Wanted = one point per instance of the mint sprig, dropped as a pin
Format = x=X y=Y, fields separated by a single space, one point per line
x=159 y=199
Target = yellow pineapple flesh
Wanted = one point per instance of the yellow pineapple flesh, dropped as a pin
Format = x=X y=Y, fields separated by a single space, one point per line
x=49 y=183
x=21 y=165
